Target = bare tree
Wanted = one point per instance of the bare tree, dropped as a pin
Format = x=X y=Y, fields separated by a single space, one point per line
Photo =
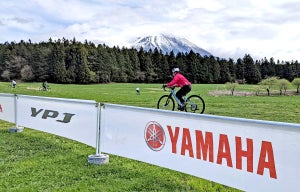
x=283 y=85
x=26 y=73
x=268 y=83
x=296 y=82
x=6 y=75
x=231 y=86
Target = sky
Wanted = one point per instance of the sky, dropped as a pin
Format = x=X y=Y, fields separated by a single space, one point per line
x=225 y=28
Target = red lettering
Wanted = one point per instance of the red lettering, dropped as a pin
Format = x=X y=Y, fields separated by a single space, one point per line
x=224 y=150
x=241 y=153
x=204 y=145
x=205 y=150
x=187 y=143
x=173 y=137
x=266 y=152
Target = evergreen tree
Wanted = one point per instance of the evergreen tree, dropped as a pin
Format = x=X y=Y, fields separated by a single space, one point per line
x=165 y=76
x=92 y=59
x=103 y=67
x=38 y=61
x=156 y=61
x=142 y=60
x=207 y=77
x=70 y=62
x=267 y=68
x=114 y=65
x=135 y=64
x=171 y=60
x=252 y=74
x=57 y=61
x=151 y=76
x=231 y=67
x=240 y=71
x=129 y=67
x=214 y=70
x=83 y=74
x=225 y=75
x=180 y=62
x=122 y=62
x=146 y=66
x=191 y=63
x=287 y=72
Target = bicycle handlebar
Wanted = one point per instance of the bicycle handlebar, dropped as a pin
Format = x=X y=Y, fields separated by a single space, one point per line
x=164 y=87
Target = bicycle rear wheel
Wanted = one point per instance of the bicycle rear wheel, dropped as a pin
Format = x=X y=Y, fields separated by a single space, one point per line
x=195 y=104
x=166 y=102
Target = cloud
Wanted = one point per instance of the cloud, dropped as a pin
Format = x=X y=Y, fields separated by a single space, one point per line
x=228 y=29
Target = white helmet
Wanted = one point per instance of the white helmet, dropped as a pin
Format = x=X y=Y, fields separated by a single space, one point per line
x=175 y=70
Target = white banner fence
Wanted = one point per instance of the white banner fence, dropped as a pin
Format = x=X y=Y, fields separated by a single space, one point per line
x=251 y=155
x=70 y=118
x=8 y=107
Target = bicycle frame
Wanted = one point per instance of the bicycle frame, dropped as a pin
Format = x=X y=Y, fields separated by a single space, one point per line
x=173 y=93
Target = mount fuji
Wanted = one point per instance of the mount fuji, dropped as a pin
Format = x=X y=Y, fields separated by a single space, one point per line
x=168 y=43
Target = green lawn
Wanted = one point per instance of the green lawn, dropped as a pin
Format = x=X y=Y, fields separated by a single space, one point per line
x=37 y=161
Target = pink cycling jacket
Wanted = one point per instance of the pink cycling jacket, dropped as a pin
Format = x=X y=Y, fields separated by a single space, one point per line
x=178 y=81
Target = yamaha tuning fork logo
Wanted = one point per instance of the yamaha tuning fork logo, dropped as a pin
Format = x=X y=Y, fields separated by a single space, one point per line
x=155 y=136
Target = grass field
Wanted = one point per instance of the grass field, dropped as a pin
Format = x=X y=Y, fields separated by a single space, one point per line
x=37 y=161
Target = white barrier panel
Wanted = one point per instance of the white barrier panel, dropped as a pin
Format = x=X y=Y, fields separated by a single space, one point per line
x=70 y=118
x=250 y=155
x=7 y=107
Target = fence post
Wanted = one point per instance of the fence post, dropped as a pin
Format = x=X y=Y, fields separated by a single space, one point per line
x=17 y=128
x=98 y=158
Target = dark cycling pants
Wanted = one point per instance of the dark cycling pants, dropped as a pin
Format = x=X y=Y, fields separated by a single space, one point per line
x=182 y=92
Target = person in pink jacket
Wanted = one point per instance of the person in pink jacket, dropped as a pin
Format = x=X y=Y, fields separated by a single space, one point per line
x=180 y=81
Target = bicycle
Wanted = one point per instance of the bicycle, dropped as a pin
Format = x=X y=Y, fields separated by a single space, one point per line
x=45 y=89
x=193 y=103
x=12 y=87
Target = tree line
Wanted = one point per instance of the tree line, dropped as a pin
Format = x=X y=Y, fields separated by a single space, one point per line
x=71 y=61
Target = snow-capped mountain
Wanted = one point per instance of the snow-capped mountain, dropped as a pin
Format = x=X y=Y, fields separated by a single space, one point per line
x=167 y=43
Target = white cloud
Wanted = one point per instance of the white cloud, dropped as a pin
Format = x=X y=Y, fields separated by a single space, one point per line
x=229 y=29
x=212 y=5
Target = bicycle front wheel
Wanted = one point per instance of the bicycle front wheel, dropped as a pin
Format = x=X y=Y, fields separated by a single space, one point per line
x=166 y=102
x=195 y=104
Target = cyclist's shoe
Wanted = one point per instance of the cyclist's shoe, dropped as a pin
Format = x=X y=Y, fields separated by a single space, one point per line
x=182 y=108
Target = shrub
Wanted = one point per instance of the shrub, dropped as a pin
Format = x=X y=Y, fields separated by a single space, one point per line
x=296 y=82
x=283 y=85
x=268 y=83
x=231 y=86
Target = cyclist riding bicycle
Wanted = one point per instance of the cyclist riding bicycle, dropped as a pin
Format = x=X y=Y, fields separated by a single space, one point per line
x=180 y=81
x=13 y=84
x=44 y=86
